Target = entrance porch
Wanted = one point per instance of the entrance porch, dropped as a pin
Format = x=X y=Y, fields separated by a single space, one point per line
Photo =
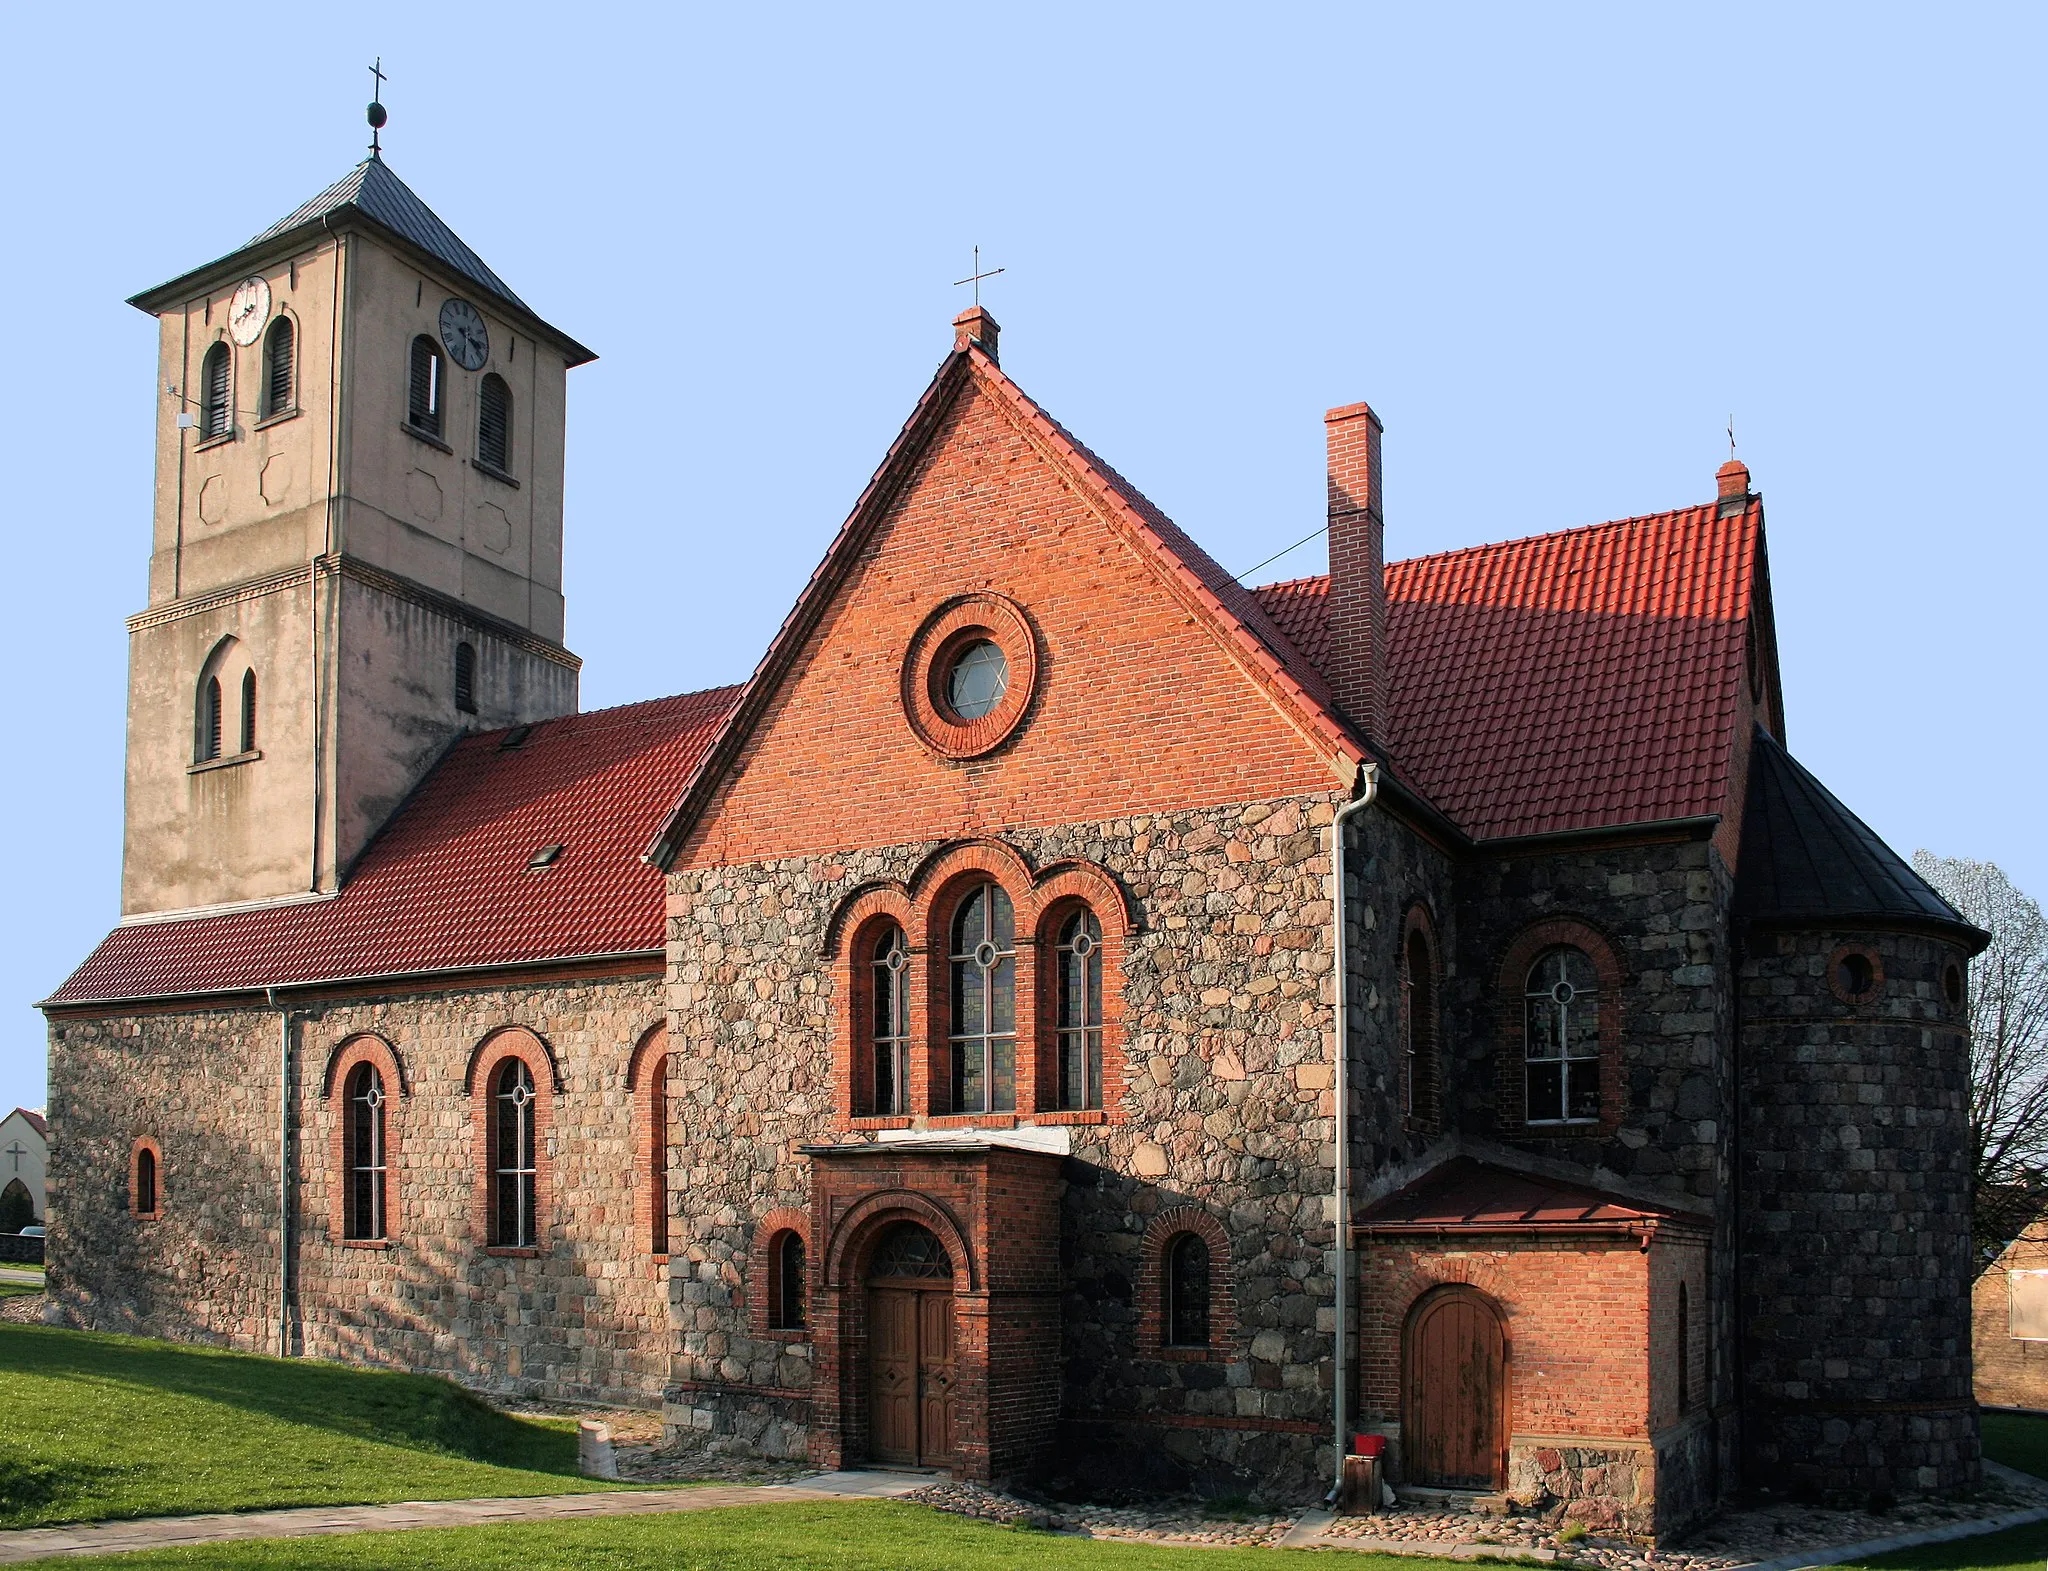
x=936 y=1316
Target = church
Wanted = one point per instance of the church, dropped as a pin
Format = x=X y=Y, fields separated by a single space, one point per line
x=1068 y=1015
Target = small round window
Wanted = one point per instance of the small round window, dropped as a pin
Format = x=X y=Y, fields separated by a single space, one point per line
x=1952 y=985
x=978 y=680
x=1853 y=973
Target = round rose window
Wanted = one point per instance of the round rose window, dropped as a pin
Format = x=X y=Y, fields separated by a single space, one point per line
x=969 y=675
x=978 y=680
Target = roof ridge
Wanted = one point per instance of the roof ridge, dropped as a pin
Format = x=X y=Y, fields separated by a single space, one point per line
x=1632 y=520
x=611 y=712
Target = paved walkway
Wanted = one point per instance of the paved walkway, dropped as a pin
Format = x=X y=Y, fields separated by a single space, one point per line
x=21 y=1276
x=164 y=1532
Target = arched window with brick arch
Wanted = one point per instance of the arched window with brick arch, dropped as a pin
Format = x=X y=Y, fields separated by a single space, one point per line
x=512 y=1081
x=146 y=1179
x=982 y=994
x=647 y=1082
x=1185 y=1303
x=1076 y=1008
x=1560 y=1071
x=780 y=1284
x=1421 y=1067
x=885 y=952
x=362 y=1087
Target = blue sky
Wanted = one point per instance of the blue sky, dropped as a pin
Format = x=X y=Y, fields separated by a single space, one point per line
x=1554 y=247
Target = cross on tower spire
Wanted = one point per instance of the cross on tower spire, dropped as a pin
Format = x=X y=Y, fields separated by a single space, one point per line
x=376 y=110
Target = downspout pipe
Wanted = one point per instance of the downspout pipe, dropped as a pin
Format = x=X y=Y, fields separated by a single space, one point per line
x=1340 y=1198
x=284 y=1173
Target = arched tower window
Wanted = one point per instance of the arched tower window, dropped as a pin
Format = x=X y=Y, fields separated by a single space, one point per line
x=216 y=386
x=427 y=390
x=515 y=1174
x=145 y=1187
x=1187 y=1291
x=249 y=711
x=1419 y=1088
x=1562 y=1038
x=280 y=366
x=1077 y=1010
x=209 y=720
x=465 y=678
x=889 y=978
x=363 y=1136
x=984 y=998
x=494 y=424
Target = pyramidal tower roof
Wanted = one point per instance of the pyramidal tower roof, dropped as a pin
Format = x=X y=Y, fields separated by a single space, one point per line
x=380 y=195
x=372 y=196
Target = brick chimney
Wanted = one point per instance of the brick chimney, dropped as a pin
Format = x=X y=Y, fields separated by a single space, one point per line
x=1733 y=480
x=976 y=326
x=1357 y=666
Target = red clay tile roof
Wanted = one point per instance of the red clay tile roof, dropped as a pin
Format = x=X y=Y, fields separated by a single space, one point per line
x=1465 y=1194
x=446 y=887
x=1566 y=681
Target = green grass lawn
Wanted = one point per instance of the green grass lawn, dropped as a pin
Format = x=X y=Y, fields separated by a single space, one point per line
x=859 y=1535
x=16 y=1289
x=109 y=1426
x=2016 y=1549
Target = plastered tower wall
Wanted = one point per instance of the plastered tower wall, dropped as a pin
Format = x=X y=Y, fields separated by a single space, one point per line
x=1855 y=1292
x=347 y=555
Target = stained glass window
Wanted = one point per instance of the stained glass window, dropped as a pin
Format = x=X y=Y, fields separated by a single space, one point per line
x=1562 y=1009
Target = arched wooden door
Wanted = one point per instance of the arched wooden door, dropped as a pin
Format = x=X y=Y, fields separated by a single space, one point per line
x=912 y=1358
x=1455 y=1393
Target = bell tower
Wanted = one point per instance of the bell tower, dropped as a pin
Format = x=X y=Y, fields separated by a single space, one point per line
x=357 y=548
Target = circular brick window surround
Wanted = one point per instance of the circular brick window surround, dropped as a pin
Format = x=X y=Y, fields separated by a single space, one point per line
x=952 y=637
x=1855 y=974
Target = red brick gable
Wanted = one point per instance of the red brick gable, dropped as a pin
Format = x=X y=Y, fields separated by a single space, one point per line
x=1162 y=684
x=1573 y=680
x=446 y=887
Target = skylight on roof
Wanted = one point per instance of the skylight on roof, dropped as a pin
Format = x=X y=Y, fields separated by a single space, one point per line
x=544 y=857
x=516 y=737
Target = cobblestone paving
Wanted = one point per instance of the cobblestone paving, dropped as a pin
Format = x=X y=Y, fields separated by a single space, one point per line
x=1737 y=1537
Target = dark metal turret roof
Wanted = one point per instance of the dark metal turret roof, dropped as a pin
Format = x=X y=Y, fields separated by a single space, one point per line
x=1807 y=858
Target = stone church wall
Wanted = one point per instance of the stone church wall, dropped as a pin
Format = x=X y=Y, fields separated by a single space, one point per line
x=1225 y=1106
x=1856 y=1194
x=584 y=1319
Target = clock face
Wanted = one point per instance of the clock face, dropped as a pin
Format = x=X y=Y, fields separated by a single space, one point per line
x=463 y=331
x=249 y=310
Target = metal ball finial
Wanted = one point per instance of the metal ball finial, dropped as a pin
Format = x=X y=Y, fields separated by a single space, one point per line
x=377 y=116
x=375 y=113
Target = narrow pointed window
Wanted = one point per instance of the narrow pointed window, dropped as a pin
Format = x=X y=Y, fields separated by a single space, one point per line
x=515 y=1174
x=280 y=366
x=427 y=390
x=1187 y=1291
x=984 y=960
x=465 y=678
x=1079 y=1011
x=891 y=1026
x=248 y=711
x=142 y=1182
x=209 y=720
x=1419 y=1027
x=216 y=411
x=494 y=424
x=364 y=1134
x=786 y=1293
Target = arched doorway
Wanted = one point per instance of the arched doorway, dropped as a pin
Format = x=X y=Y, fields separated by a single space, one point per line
x=913 y=1363
x=1455 y=1392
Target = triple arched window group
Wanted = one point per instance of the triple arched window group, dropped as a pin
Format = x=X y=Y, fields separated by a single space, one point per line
x=426 y=406
x=1011 y=1020
x=276 y=393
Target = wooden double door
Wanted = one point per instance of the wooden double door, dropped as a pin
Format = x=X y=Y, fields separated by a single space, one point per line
x=1454 y=1422
x=913 y=1366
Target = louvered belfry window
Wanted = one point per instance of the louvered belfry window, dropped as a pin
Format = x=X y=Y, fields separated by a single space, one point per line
x=465 y=678
x=209 y=720
x=216 y=414
x=280 y=350
x=494 y=424
x=423 y=407
x=248 y=711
